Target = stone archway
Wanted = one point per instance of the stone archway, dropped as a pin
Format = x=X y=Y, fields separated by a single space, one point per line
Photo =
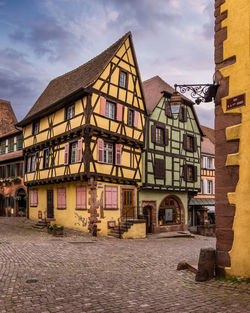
x=149 y=212
x=20 y=198
x=171 y=215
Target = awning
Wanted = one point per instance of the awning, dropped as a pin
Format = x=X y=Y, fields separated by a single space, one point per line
x=202 y=202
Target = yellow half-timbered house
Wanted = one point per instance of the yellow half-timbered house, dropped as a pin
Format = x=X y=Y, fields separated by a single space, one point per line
x=83 y=142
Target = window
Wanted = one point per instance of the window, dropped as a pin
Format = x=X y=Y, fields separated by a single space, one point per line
x=81 y=197
x=123 y=79
x=61 y=198
x=190 y=173
x=130 y=118
x=31 y=162
x=108 y=153
x=159 y=139
x=3 y=171
x=209 y=187
x=12 y=170
x=110 y=110
x=190 y=143
x=46 y=158
x=159 y=168
x=35 y=126
x=19 y=142
x=33 y=197
x=168 y=111
x=73 y=152
x=111 y=197
x=3 y=147
x=169 y=212
x=11 y=145
x=210 y=163
x=70 y=112
x=19 y=169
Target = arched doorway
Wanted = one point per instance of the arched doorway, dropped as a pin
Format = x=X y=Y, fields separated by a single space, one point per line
x=2 y=208
x=21 y=202
x=147 y=212
x=171 y=213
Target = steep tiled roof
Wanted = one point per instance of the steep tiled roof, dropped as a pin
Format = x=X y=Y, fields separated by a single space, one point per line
x=153 y=88
x=7 y=118
x=73 y=81
x=209 y=132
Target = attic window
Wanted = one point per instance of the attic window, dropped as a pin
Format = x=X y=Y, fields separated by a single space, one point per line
x=35 y=128
x=123 y=79
x=70 y=112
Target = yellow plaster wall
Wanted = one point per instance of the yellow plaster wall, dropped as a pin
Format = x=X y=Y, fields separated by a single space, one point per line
x=136 y=231
x=238 y=43
x=76 y=219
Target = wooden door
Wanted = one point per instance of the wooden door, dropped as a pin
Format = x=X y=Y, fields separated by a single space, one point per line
x=128 y=203
x=50 y=203
x=147 y=212
x=2 y=209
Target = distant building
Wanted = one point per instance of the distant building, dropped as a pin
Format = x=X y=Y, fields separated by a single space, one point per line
x=202 y=206
x=171 y=159
x=12 y=190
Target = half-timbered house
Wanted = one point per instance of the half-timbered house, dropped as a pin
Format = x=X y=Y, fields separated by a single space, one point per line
x=83 y=142
x=171 y=160
x=12 y=190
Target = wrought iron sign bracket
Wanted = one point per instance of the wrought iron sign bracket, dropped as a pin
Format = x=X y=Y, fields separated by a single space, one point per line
x=199 y=92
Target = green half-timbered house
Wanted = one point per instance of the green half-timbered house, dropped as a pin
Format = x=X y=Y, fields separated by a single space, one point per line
x=171 y=159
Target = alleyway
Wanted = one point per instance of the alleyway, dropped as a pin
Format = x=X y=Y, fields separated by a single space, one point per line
x=40 y=273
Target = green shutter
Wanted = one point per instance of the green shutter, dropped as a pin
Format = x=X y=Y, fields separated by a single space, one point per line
x=3 y=147
x=19 y=142
x=12 y=170
x=12 y=202
x=21 y=169
x=4 y=171
x=11 y=145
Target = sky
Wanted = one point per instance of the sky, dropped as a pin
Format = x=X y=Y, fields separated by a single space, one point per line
x=42 y=39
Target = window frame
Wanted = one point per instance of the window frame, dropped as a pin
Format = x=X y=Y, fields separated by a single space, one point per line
x=19 y=142
x=105 y=151
x=35 y=130
x=67 y=110
x=46 y=158
x=121 y=73
x=114 y=206
x=132 y=121
x=162 y=136
x=11 y=145
x=110 y=104
x=187 y=178
x=84 y=205
x=3 y=147
x=71 y=151
x=31 y=162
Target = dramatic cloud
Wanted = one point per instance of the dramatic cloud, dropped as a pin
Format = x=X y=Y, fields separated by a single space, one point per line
x=173 y=39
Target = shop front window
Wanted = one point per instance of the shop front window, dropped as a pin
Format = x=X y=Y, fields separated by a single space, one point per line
x=169 y=212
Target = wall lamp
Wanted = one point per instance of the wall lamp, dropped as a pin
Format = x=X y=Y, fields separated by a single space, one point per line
x=199 y=92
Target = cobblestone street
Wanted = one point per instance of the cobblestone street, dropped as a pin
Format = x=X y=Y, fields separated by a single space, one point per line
x=40 y=273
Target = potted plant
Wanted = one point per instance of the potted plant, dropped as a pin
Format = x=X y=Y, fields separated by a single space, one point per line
x=57 y=230
x=50 y=229
x=16 y=180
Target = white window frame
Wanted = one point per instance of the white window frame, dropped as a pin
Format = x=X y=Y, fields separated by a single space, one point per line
x=70 y=112
x=110 y=110
x=108 y=153
x=122 y=79
x=209 y=187
x=159 y=131
x=73 y=152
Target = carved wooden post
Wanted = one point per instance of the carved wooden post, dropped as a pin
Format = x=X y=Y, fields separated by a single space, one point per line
x=94 y=205
x=206 y=265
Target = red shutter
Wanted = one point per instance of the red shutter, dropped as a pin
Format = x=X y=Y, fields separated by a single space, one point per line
x=185 y=141
x=100 y=150
x=35 y=198
x=31 y=198
x=119 y=112
x=195 y=144
x=153 y=133
x=118 y=154
x=114 y=196
x=108 y=197
x=102 y=106
x=136 y=118
x=79 y=150
x=166 y=137
x=66 y=154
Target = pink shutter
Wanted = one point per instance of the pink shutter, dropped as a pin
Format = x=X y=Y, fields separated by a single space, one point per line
x=136 y=118
x=79 y=150
x=66 y=154
x=84 y=197
x=100 y=150
x=78 y=197
x=114 y=197
x=61 y=198
x=102 y=106
x=81 y=202
x=118 y=154
x=31 y=198
x=35 y=198
x=119 y=112
x=108 y=197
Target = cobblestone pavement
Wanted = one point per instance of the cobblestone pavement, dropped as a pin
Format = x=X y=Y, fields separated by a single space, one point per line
x=40 y=273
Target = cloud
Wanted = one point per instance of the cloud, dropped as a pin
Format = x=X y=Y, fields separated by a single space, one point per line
x=208 y=27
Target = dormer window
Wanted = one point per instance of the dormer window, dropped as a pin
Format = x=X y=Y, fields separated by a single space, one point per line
x=123 y=79
x=70 y=111
x=35 y=128
x=110 y=110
